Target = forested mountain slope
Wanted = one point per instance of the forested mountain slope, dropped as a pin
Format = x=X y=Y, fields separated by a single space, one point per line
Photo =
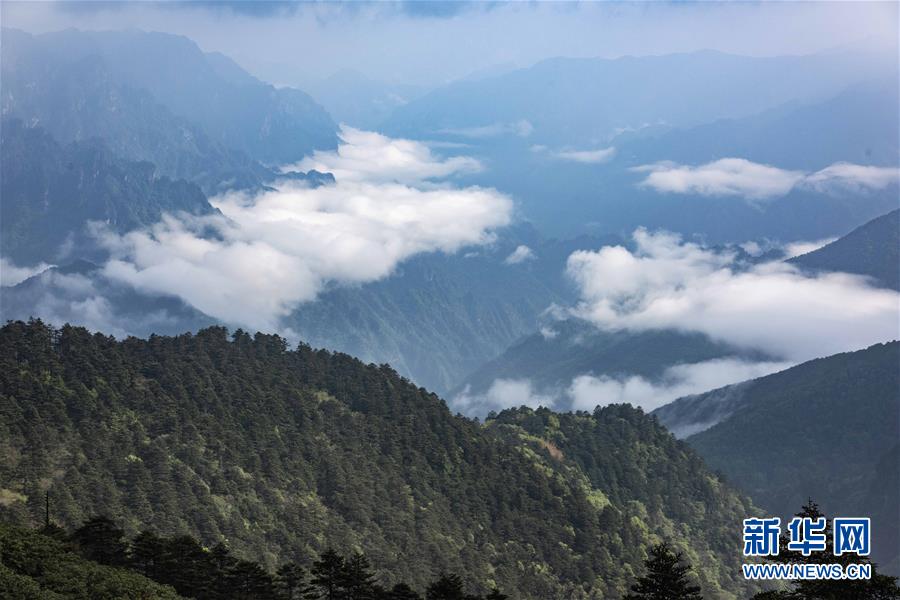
x=285 y=453
x=872 y=249
x=826 y=429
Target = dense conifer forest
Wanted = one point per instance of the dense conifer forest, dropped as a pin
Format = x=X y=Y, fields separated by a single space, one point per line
x=283 y=454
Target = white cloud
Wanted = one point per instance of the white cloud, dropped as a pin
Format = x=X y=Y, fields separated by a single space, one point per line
x=755 y=181
x=798 y=248
x=503 y=393
x=520 y=254
x=522 y=128
x=723 y=177
x=372 y=157
x=587 y=156
x=773 y=307
x=10 y=274
x=265 y=254
x=587 y=391
x=548 y=333
x=854 y=178
x=79 y=299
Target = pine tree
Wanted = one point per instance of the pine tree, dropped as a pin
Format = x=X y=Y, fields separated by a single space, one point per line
x=496 y=595
x=359 y=581
x=249 y=581
x=146 y=554
x=100 y=540
x=447 y=587
x=328 y=576
x=292 y=584
x=666 y=577
x=402 y=591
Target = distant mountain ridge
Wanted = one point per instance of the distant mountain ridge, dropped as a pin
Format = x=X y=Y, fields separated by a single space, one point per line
x=603 y=96
x=872 y=249
x=552 y=358
x=271 y=125
x=80 y=85
x=50 y=192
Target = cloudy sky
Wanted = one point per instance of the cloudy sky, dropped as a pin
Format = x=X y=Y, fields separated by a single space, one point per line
x=434 y=42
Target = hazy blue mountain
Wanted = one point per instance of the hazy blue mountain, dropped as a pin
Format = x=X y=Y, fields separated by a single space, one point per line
x=82 y=100
x=853 y=126
x=563 y=350
x=872 y=249
x=78 y=95
x=854 y=122
x=50 y=193
x=826 y=429
x=439 y=317
x=603 y=97
x=352 y=98
x=268 y=124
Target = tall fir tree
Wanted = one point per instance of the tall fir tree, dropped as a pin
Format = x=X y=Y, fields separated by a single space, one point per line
x=448 y=586
x=666 y=577
x=328 y=576
x=102 y=541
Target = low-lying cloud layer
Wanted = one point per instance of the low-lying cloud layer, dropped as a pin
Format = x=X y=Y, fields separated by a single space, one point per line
x=372 y=157
x=586 y=392
x=265 y=254
x=755 y=181
x=10 y=274
x=666 y=283
x=503 y=393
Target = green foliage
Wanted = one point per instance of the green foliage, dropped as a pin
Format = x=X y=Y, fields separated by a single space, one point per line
x=666 y=577
x=33 y=565
x=648 y=487
x=284 y=454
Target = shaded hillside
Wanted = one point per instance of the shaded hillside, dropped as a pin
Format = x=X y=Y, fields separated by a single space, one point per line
x=826 y=429
x=80 y=85
x=440 y=317
x=285 y=453
x=50 y=193
x=271 y=125
x=872 y=250
x=567 y=349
